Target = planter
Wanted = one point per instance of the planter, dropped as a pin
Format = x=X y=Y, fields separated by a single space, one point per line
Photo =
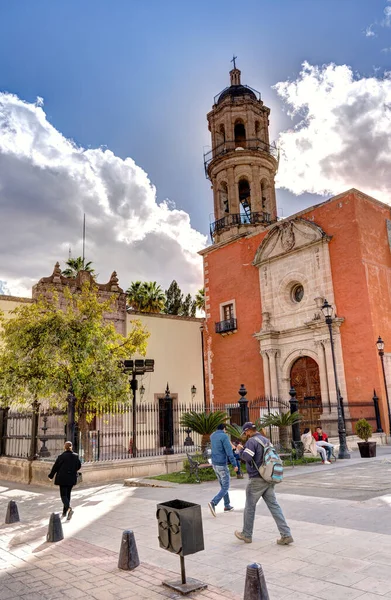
x=367 y=449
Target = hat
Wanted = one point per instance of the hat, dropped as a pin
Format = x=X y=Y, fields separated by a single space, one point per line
x=248 y=426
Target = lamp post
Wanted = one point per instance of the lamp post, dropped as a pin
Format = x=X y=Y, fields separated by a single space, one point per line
x=380 y=349
x=137 y=367
x=327 y=310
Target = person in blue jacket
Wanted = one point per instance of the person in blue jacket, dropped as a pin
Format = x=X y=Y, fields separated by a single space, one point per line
x=222 y=453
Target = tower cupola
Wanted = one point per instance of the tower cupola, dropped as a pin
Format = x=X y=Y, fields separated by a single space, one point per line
x=242 y=163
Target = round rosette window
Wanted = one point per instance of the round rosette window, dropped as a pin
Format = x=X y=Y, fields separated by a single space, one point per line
x=297 y=293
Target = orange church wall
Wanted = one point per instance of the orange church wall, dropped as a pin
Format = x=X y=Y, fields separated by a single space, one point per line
x=236 y=358
x=360 y=257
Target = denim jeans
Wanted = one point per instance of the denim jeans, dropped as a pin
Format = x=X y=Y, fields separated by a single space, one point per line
x=328 y=447
x=223 y=476
x=238 y=463
x=256 y=488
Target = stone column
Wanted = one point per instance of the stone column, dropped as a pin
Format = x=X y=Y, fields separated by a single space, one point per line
x=266 y=373
x=256 y=202
x=273 y=354
x=233 y=193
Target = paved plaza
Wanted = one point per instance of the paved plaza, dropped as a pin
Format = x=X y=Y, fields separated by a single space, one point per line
x=339 y=516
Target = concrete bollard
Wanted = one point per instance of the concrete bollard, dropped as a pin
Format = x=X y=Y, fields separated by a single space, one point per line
x=128 y=555
x=12 y=515
x=55 y=533
x=255 y=587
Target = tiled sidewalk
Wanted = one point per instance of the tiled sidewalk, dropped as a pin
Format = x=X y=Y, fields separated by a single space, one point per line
x=73 y=569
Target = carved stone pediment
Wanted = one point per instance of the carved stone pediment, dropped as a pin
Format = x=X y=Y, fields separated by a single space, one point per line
x=288 y=236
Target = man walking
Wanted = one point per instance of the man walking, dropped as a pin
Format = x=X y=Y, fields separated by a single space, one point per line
x=65 y=469
x=221 y=453
x=251 y=453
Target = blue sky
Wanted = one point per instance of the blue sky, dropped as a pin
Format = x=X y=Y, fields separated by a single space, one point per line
x=139 y=76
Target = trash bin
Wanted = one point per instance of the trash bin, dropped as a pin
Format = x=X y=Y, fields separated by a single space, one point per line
x=180 y=532
x=180 y=527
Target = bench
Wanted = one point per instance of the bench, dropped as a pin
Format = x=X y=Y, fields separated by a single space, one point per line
x=284 y=453
x=300 y=452
x=195 y=465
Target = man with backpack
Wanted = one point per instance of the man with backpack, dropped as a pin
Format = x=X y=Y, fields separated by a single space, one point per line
x=264 y=468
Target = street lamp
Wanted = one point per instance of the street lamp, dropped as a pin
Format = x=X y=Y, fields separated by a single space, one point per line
x=380 y=349
x=137 y=367
x=327 y=310
x=193 y=391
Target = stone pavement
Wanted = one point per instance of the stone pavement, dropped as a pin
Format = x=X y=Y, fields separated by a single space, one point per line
x=339 y=515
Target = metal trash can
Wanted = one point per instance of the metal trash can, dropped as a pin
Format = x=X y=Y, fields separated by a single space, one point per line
x=180 y=527
x=180 y=532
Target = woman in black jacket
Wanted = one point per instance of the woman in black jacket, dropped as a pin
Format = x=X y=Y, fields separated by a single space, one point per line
x=65 y=469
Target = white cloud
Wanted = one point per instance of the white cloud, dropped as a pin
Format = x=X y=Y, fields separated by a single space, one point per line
x=47 y=182
x=386 y=50
x=4 y=288
x=342 y=135
x=386 y=22
x=368 y=32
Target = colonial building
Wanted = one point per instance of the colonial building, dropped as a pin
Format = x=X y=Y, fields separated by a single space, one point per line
x=267 y=278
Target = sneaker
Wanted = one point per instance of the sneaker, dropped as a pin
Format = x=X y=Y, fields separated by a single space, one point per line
x=212 y=508
x=228 y=508
x=285 y=541
x=327 y=462
x=239 y=476
x=243 y=538
x=69 y=514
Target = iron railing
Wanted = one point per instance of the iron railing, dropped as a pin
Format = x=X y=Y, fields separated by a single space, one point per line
x=226 y=326
x=228 y=146
x=237 y=219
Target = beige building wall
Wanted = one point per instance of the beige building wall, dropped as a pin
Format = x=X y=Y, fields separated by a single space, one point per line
x=175 y=345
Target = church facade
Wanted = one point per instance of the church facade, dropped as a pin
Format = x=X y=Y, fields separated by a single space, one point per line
x=266 y=279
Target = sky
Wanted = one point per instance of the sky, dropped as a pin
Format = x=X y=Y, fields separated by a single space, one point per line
x=103 y=109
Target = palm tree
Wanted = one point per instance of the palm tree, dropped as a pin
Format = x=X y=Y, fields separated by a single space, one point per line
x=75 y=265
x=200 y=299
x=283 y=421
x=203 y=423
x=235 y=431
x=135 y=294
x=154 y=298
x=146 y=296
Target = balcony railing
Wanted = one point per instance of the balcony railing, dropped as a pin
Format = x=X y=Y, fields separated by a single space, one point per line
x=236 y=219
x=232 y=145
x=226 y=326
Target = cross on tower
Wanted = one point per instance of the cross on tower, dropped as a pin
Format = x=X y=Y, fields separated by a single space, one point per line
x=233 y=61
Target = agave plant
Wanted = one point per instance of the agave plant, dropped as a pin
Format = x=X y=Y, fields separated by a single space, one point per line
x=283 y=421
x=203 y=423
x=235 y=431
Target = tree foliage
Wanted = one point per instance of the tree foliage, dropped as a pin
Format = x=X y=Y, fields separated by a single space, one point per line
x=146 y=296
x=174 y=299
x=200 y=299
x=75 y=265
x=48 y=350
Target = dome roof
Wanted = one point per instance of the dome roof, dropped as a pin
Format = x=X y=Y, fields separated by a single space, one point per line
x=236 y=90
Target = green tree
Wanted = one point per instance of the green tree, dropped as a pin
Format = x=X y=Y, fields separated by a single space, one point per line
x=283 y=421
x=75 y=265
x=146 y=296
x=188 y=307
x=48 y=350
x=174 y=299
x=200 y=299
x=203 y=423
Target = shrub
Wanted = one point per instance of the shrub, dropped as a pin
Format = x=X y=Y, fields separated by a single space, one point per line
x=363 y=429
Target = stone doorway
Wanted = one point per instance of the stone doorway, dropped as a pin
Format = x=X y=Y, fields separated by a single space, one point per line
x=306 y=381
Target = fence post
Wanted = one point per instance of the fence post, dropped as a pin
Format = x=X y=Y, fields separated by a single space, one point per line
x=3 y=429
x=377 y=413
x=243 y=405
x=34 y=431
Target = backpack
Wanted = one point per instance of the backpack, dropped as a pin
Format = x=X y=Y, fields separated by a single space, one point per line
x=271 y=469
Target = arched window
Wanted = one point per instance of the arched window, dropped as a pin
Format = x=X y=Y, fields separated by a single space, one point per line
x=240 y=134
x=223 y=193
x=245 y=200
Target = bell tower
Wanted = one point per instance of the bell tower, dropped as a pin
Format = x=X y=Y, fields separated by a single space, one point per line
x=242 y=163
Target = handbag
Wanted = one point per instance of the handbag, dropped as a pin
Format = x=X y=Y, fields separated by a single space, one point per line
x=79 y=478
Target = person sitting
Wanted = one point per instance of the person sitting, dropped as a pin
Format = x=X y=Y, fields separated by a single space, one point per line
x=310 y=445
x=322 y=439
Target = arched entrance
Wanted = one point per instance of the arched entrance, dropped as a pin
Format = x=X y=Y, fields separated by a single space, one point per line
x=305 y=379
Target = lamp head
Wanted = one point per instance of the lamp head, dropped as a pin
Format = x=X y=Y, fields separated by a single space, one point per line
x=327 y=309
x=380 y=344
